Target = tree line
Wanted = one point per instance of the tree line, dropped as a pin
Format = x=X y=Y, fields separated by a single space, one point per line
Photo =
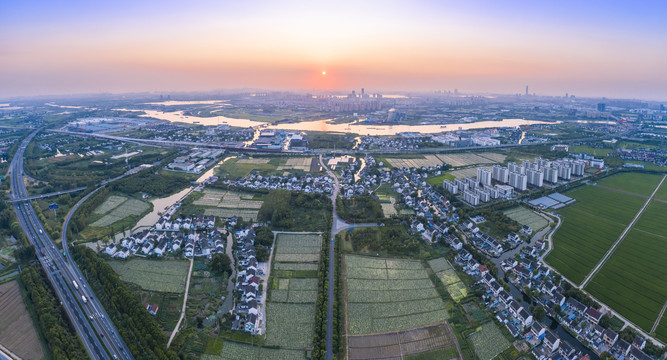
x=58 y=331
x=137 y=327
x=147 y=181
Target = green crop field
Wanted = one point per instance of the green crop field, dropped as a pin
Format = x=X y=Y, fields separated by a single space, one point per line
x=662 y=192
x=241 y=351
x=527 y=217
x=290 y=325
x=638 y=183
x=456 y=289
x=124 y=209
x=153 y=275
x=387 y=295
x=488 y=341
x=631 y=281
x=590 y=226
x=290 y=311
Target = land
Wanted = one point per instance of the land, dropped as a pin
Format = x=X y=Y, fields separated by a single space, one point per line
x=17 y=332
x=153 y=275
x=385 y=295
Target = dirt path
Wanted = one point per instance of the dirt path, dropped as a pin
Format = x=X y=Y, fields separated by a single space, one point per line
x=185 y=301
x=657 y=321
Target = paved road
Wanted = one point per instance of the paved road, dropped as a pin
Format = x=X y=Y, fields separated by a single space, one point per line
x=332 y=263
x=57 y=193
x=606 y=256
x=337 y=226
x=90 y=321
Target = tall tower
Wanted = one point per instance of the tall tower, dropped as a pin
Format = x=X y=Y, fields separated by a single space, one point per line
x=526 y=90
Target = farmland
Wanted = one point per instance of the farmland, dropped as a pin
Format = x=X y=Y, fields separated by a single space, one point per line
x=386 y=295
x=630 y=281
x=290 y=311
x=590 y=226
x=153 y=275
x=242 y=351
x=438 y=339
x=238 y=168
x=16 y=327
x=116 y=208
x=453 y=160
x=224 y=204
x=526 y=217
x=638 y=183
x=488 y=341
x=443 y=269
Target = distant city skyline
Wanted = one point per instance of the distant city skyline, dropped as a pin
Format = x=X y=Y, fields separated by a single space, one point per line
x=610 y=49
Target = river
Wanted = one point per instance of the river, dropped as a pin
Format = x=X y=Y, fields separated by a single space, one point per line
x=326 y=125
x=161 y=205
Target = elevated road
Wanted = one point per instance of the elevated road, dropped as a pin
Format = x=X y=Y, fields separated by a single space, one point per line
x=91 y=322
x=57 y=193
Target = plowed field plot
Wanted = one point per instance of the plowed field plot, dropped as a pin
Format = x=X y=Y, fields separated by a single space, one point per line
x=386 y=295
x=16 y=327
x=396 y=345
x=153 y=275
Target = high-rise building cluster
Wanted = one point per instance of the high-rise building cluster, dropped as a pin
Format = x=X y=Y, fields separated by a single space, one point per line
x=516 y=177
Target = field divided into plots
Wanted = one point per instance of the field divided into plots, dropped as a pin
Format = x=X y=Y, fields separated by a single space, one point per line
x=116 y=208
x=453 y=160
x=437 y=339
x=630 y=281
x=290 y=310
x=153 y=275
x=224 y=204
x=446 y=273
x=488 y=341
x=385 y=295
x=16 y=327
x=589 y=227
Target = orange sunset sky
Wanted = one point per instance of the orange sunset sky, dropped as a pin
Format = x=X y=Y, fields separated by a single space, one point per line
x=613 y=49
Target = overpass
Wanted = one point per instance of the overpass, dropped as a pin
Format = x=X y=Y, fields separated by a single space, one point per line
x=57 y=193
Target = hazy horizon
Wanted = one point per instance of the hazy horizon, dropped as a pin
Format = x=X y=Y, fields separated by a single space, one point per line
x=610 y=50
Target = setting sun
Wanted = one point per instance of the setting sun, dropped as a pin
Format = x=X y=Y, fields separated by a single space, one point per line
x=324 y=72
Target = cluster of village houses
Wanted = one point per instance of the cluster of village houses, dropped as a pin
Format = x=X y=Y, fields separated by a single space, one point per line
x=525 y=272
x=195 y=236
x=248 y=312
x=306 y=183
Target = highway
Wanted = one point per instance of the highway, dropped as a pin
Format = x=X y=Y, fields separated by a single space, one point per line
x=92 y=324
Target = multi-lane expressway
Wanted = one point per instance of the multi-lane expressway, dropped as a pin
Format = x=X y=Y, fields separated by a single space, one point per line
x=91 y=322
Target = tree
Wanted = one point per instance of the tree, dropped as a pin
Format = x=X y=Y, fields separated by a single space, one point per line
x=539 y=313
x=262 y=253
x=220 y=263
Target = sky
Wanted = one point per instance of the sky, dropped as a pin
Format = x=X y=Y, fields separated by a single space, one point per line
x=587 y=48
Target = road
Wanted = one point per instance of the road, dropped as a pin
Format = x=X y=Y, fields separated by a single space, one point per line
x=337 y=226
x=92 y=324
x=185 y=302
x=57 y=193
